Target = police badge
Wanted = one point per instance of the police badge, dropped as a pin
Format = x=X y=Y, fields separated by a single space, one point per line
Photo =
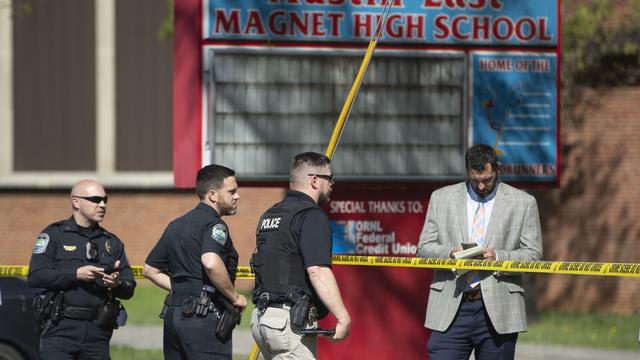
x=41 y=243
x=219 y=234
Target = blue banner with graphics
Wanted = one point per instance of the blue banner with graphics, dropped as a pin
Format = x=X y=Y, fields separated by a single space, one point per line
x=514 y=109
x=456 y=22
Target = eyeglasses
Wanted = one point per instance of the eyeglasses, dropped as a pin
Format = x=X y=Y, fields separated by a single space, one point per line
x=93 y=199
x=329 y=178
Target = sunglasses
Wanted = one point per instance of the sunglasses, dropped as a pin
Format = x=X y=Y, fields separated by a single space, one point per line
x=93 y=199
x=329 y=178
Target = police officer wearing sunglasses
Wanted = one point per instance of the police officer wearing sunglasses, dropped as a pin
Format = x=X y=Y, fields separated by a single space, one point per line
x=84 y=270
x=295 y=285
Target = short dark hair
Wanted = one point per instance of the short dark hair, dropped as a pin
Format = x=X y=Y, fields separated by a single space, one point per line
x=211 y=177
x=478 y=156
x=312 y=159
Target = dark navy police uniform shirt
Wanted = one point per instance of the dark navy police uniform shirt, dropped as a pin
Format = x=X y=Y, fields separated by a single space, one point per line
x=179 y=250
x=61 y=249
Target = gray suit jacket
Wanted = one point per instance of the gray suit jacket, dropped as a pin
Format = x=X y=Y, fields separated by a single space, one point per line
x=513 y=232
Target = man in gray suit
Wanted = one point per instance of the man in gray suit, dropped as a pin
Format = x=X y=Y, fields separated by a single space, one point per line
x=479 y=310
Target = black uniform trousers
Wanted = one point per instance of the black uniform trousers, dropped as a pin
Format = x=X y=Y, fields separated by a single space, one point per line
x=193 y=338
x=75 y=339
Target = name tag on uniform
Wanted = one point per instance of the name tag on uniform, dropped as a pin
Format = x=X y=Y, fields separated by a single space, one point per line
x=270 y=224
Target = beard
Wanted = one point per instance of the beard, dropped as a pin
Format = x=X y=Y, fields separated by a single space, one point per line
x=323 y=198
x=227 y=212
x=227 y=209
x=487 y=191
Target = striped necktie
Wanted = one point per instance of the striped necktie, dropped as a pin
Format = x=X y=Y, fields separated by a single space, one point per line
x=477 y=227
x=477 y=237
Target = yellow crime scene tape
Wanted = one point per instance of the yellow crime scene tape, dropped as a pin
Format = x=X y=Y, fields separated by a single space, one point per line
x=515 y=266
x=549 y=267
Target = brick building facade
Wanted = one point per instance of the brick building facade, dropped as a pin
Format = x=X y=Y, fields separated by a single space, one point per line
x=591 y=217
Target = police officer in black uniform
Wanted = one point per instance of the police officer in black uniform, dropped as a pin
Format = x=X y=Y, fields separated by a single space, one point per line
x=196 y=261
x=295 y=285
x=84 y=270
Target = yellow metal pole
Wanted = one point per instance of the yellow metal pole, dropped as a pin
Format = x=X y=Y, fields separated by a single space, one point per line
x=348 y=103
x=346 y=108
x=253 y=355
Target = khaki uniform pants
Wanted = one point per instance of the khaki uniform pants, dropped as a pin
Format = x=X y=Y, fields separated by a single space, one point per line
x=271 y=329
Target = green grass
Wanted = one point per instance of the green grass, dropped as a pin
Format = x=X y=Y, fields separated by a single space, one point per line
x=144 y=307
x=245 y=323
x=127 y=353
x=584 y=329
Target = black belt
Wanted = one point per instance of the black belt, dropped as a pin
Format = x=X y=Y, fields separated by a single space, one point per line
x=174 y=299
x=80 y=313
x=281 y=305
x=472 y=295
x=178 y=299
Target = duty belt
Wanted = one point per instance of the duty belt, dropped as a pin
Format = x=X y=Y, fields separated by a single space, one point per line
x=266 y=300
x=80 y=313
x=210 y=289
x=282 y=305
x=176 y=299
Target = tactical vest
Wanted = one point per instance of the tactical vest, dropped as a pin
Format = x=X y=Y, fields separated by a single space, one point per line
x=277 y=261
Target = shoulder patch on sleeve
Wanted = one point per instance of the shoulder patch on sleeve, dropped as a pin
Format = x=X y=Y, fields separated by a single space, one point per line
x=41 y=243
x=219 y=233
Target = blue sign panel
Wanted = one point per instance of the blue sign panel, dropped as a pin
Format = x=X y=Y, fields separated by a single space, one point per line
x=344 y=236
x=456 y=22
x=514 y=109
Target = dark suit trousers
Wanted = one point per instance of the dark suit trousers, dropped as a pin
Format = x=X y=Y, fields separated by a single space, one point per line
x=471 y=330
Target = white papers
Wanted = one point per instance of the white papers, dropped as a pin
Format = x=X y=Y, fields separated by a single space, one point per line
x=467 y=254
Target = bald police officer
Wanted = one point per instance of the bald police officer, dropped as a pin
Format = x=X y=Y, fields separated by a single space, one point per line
x=196 y=261
x=84 y=269
x=294 y=282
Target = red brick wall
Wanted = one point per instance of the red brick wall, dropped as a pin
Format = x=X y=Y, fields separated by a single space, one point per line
x=594 y=214
x=138 y=218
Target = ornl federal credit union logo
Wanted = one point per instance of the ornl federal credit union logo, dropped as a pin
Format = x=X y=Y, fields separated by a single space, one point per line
x=366 y=237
